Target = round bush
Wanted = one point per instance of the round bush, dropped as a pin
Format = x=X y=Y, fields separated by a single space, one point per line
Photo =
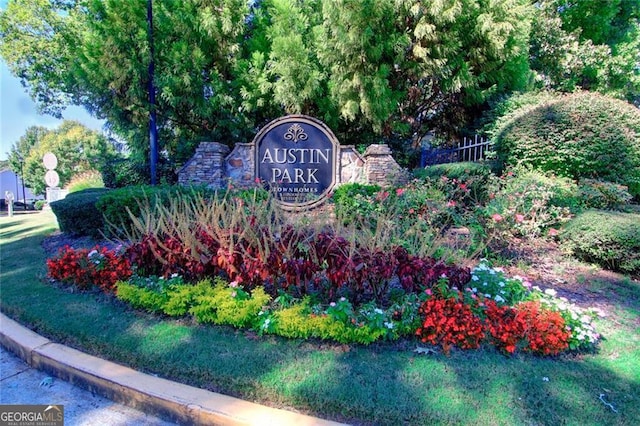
x=610 y=239
x=583 y=135
x=77 y=213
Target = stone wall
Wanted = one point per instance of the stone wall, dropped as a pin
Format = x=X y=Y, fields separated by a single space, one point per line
x=206 y=167
x=213 y=165
x=381 y=169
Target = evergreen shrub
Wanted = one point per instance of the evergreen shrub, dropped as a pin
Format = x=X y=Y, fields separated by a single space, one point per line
x=598 y=194
x=609 y=239
x=78 y=215
x=582 y=135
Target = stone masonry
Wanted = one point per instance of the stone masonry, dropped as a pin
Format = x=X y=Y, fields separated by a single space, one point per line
x=214 y=165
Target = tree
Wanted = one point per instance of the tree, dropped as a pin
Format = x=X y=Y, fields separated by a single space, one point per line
x=374 y=70
x=77 y=148
x=588 y=45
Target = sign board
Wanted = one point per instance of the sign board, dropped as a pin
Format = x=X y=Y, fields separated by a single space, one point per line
x=50 y=161
x=51 y=178
x=295 y=157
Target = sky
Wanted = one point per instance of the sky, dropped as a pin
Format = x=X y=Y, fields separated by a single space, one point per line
x=18 y=112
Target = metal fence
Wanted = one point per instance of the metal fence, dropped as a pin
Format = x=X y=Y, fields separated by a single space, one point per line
x=469 y=149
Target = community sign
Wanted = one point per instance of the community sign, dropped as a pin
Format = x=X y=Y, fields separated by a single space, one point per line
x=296 y=159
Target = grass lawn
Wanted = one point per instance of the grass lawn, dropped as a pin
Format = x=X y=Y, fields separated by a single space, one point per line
x=382 y=384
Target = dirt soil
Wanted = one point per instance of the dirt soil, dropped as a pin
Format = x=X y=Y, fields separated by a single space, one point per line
x=543 y=264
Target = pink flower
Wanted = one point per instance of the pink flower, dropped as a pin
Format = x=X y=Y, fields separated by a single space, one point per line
x=463 y=186
x=451 y=203
x=497 y=217
x=382 y=195
x=519 y=218
x=428 y=291
x=553 y=232
x=399 y=191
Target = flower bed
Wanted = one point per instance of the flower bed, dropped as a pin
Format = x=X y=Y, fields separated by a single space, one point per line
x=463 y=310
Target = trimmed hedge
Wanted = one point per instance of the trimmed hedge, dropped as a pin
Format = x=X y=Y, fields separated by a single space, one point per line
x=610 y=239
x=583 y=135
x=78 y=215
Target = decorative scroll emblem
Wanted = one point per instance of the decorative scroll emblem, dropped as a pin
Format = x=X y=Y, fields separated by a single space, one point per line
x=295 y=133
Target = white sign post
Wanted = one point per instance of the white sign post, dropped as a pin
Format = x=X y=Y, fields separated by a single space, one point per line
x=8 y=195
x=51 y=178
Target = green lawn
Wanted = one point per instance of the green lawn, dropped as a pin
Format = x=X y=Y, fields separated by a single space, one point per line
x=386 y=384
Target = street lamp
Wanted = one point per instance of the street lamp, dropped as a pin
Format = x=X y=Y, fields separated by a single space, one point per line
x=24 y=197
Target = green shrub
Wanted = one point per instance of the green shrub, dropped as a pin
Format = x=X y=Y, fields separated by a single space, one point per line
x=610 y=239
x=461 y=170
x=353 y=201
x=527 y=202
x=299 y=321
x=78 y=215
x=583 y=135
x=465 y=183
x=39 y=205
x=141 y=297
x=597 y=194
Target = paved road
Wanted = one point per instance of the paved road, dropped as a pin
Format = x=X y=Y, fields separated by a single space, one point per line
x=21 y=384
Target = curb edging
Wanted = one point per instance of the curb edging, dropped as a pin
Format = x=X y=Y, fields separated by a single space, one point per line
x=154 y=395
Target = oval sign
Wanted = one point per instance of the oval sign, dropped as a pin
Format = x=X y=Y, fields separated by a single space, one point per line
x=51 y=178
x=296 y=159
x=50 y=161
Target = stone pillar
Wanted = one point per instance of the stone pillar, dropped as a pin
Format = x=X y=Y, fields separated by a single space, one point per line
x=206 y=167
x=381 y=169
x=239 y=165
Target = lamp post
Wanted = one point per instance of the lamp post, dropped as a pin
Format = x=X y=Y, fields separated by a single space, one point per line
x=24 y=197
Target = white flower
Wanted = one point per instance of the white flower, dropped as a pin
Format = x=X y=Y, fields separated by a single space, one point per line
x=92 y=253
x=389 y=325
x=332 y=304
x=499 y=298
x=475 y=278
x=487 y=295
x=484 y=284
x=378 y=311
x=475 y=290
x=545 y=379
x=342 y=299
x=174 y=275
x=501 y=284
x=550 y=292
x=233 y=284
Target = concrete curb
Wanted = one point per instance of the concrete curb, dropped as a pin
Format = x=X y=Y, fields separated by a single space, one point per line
x=160 y=397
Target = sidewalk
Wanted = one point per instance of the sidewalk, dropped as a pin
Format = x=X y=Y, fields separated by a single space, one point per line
x=163 y=399
x=24 y=385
